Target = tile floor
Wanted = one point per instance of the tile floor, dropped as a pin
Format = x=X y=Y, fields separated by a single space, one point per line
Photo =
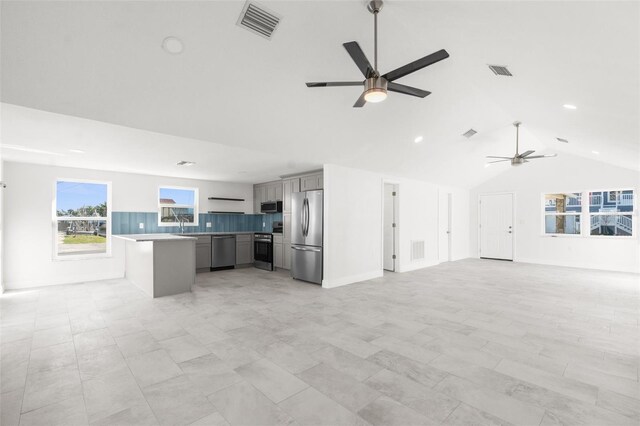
x=469 y=342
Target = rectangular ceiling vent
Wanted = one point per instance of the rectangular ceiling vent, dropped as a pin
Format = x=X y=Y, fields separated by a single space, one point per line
x=469 y=133
x=258 y=20
x=500 y=70
x=562 y=140
x=417 y=250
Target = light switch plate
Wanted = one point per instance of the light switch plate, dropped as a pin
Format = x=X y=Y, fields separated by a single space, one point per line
x=141 y=225
x=208 y=224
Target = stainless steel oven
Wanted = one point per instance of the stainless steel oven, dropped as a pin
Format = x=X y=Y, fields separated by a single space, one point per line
x=263 y=251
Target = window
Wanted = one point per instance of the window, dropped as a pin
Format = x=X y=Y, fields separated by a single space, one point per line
x=177 y=205
x=562 y=213
x=82 y=224
x=611 y=213
x=594 y=213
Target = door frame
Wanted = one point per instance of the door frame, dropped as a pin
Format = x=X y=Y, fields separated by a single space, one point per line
x=396 y=232
x=513 y=221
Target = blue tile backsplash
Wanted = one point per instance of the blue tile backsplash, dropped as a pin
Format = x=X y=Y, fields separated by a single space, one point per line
x=128 y=223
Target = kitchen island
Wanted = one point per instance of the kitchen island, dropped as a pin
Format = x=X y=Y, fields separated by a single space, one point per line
x=160 y=264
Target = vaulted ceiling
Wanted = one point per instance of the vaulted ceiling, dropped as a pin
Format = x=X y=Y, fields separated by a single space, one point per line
x=231 y=93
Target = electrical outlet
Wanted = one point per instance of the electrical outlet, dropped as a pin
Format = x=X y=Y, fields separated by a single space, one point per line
x=208 y=224
x=141 y=225
x=264 y=224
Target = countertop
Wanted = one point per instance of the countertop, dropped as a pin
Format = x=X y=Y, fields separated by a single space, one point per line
x=155 y=237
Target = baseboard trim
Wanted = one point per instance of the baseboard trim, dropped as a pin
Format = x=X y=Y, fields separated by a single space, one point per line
x=583 y=265
x=351 y=279
x=22 y=285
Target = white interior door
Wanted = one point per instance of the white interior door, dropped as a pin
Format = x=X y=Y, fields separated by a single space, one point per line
x=389 y=227
x=496 y=226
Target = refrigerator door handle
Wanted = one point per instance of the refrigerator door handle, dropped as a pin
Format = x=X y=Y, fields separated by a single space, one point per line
x=306 y=229
x=302 y=217
x=306 y=248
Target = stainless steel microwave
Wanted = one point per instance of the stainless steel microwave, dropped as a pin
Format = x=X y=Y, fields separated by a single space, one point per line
x=271 y=207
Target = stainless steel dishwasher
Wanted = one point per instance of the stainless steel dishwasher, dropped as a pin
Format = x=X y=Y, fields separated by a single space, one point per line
x=223 y=252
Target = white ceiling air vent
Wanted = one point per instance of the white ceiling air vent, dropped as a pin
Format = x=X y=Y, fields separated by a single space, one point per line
x=469 y=133
x=562 y=140
x=500 y=70
x=258 y=20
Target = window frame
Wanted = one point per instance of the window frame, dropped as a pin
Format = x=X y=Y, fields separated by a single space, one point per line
x=632 y=213
x=585 y=215
x=56 y=219
x=545 y=214
x=196 y=209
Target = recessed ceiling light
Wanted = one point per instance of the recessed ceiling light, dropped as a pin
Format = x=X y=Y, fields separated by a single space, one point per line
x=185 y=163
x=418 y=139
x=569 y=106
x=172 y=45
x=76 y=151
x=595 y=152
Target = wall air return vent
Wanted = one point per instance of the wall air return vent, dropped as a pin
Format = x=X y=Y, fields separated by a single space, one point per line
x=417 y=250
x=562 y=140
x=500 y=70
x=469 y=133
x=258 y=20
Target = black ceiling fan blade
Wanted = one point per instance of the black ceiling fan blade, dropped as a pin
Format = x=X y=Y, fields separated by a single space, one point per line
x=407 y=90
x=524 y=154
x=416 y=65
x=335 y=83
x=358 y=56
x=360 y=102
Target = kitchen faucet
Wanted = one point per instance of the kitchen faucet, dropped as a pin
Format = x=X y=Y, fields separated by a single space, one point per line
x=181 y=221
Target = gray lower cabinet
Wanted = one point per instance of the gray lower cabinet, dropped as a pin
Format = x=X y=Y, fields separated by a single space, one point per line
x=203 y=252
x=244 y=249
x=286 y=255
x=278 y=251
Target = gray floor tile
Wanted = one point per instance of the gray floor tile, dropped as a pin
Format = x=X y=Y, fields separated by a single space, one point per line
x=184 y=348
x=242 y=404
x=176 y=401
x=209 y=374
x=111 y=393
x=276 y=383
x=312 y=408
x=387 y=412
x=343 y=389
x=153 y=367
x=67 y=412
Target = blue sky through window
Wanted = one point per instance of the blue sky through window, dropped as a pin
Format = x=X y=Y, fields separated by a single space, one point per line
x=180 y=196
x=73 y=195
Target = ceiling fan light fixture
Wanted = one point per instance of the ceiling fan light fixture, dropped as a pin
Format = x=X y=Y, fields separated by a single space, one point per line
x=375 y=89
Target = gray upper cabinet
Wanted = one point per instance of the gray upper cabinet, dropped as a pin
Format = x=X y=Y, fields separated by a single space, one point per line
x=311 y=182
x=289 y=186
x=263 y=192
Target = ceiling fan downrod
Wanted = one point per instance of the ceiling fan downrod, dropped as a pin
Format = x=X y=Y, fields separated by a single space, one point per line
x=374 y=7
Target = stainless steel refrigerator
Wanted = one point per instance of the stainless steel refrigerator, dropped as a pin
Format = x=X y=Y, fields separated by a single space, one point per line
x=306 y=236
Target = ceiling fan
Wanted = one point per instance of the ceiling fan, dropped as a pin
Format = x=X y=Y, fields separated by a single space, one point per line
x=519 y=159
x=376 y=85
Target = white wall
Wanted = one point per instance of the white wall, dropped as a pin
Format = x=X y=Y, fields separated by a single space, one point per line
x=353 y=224
x=28 y=227
x=565 y=173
